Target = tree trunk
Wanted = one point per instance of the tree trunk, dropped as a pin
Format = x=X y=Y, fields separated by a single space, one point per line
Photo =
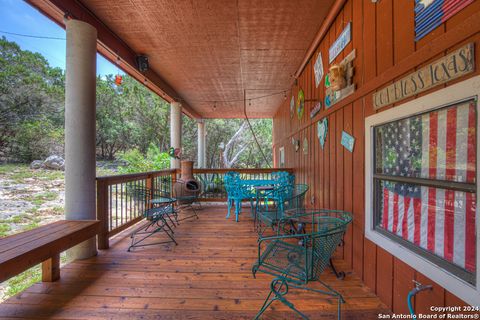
x=229 y=163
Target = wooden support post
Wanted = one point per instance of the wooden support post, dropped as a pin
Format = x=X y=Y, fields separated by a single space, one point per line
x=51 y=269
x=102 y=214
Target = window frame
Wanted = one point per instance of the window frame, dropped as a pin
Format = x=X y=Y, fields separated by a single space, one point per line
x=418 y=260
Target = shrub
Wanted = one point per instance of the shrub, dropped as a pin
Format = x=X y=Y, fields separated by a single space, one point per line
x=37 y=139
x=154 y=160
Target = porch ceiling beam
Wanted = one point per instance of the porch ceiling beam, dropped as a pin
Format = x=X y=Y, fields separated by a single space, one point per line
x=112 y=46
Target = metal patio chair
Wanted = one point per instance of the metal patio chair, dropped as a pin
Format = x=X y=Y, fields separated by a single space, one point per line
x=236 y=193
x=157 y=218
x=282 y=201
x=299 y=258
x=186 y=194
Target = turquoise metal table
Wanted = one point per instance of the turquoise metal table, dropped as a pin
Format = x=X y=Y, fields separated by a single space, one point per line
x=254 y=187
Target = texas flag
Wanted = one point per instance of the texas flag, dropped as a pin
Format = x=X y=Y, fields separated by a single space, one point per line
x=429 y=14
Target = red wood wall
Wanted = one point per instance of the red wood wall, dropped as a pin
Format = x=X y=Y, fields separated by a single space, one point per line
x=383 y=36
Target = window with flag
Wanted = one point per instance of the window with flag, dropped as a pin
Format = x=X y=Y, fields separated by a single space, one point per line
x=425 y=185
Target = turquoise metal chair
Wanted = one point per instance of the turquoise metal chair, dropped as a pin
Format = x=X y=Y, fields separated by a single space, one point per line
x=301 y=255
x=282 y=178
x=236 y=193
x=282 y=201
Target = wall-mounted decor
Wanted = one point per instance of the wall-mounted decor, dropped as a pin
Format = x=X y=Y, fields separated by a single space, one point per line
x=322 y=129
x=292 y=107
x=305 y=146
x=296 y=144
x=348 y=141
x=429 y=14
x=339 y=81
x=343 y=39
x=316 y=109
x=452 y=66
x=281 y=157
x=300 y=103
x=318 y=69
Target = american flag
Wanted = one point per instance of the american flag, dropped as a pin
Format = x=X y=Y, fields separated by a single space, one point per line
x=439 y=145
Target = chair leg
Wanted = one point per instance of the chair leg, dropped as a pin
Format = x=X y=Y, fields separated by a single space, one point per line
x=229 y=203
x=147 y=234
x=238 y=204
x=339 y=274
x=279 y=288
x=194 y=215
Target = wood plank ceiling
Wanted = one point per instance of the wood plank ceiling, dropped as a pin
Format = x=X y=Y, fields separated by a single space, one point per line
x=213 y=50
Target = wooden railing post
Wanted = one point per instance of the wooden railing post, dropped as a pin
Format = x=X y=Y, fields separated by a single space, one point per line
x=102 y=214
x=149 y=185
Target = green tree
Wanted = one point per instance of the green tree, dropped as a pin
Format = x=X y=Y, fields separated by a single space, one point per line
x=30 y=89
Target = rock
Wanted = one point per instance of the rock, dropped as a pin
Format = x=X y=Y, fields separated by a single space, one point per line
x=36 y=164
x=54 y=162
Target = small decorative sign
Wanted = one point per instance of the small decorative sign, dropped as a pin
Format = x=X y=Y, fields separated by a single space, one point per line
x=339 y=80
x=322 y=128
x=348 y=141
x=452 y=66
x=343 y=39
x=318 y=69
x=300 y=103
x=305 y=146
x=292 y=107
x=316 y=109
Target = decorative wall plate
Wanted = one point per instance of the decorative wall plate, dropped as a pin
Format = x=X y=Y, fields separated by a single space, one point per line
x=300 y=103
x=322 y=129
x=292 y=107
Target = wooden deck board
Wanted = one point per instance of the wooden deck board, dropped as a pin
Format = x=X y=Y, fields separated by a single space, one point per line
x=207 y=276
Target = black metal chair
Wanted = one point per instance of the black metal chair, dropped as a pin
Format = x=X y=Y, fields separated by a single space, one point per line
x=156 y=218
x=186 y=194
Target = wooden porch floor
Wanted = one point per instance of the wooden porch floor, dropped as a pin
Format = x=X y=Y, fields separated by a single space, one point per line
x=207 y=276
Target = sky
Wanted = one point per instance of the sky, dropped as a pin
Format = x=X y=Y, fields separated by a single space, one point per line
x=17 y=16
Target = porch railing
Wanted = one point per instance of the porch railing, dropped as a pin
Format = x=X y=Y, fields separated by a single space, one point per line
x=213 y=188
x=116 y=206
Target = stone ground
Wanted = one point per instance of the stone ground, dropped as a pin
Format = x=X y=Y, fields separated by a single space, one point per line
x=29 y=198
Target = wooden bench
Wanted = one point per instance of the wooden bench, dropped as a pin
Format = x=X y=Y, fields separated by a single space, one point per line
x=43 y=245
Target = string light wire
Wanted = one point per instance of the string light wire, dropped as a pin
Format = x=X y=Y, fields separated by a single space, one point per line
x=251 y=128
x=31 y=36
x=232 y=100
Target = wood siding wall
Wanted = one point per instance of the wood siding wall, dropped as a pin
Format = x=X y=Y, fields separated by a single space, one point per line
x=383 y=36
